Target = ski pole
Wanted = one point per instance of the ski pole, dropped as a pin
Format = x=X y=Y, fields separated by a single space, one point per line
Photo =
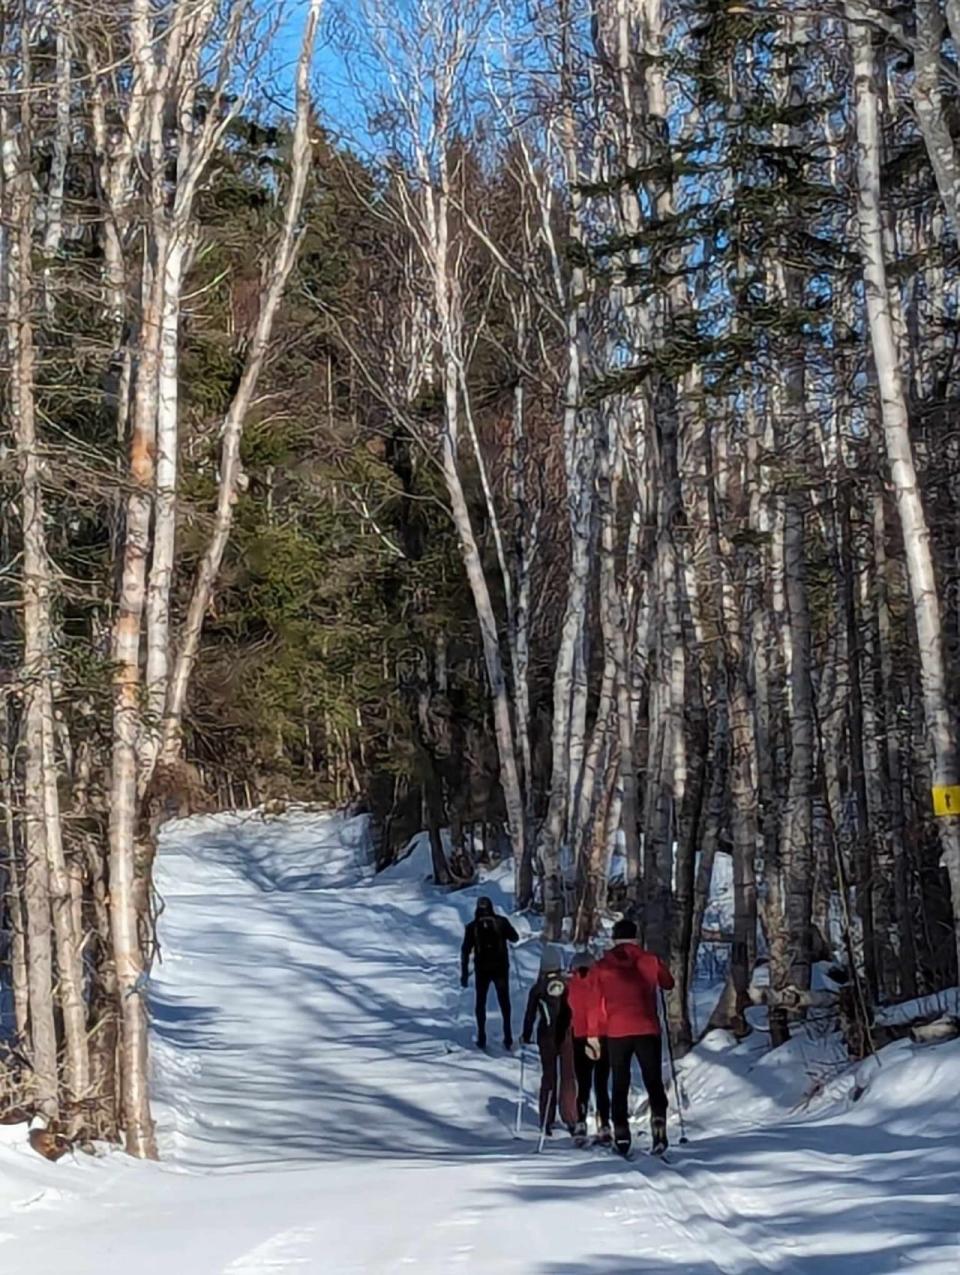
x=673 y=1066
x=545 y=1120
x=543 y=1132
x=520 y=1094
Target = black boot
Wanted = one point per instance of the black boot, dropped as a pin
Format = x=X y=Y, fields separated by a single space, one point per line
x=658 y=1129
x=621 y=1139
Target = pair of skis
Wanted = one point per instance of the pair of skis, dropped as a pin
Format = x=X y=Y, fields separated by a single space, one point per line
x=541 y=1140
x=583 y=1145
x=635 y=1153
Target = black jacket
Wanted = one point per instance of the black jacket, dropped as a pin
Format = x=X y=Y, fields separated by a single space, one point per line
x=489 y=945
x=550 y=1013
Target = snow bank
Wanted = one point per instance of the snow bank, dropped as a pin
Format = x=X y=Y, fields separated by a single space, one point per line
x=302 y=849
x=938 y=1003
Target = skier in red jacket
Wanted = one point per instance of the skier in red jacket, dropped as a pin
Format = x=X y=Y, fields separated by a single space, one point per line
x=592 y=1063
x=626 y=980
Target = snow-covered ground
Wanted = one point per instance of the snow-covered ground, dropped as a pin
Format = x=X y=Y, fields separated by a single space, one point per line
x=323 y=1111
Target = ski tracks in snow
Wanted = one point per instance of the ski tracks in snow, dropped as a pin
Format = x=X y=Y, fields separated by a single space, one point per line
x=323 y=1112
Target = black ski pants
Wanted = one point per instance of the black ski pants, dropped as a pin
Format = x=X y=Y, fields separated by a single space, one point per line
x=592 y=1075
x=557 y=1079
x=500 y=979
x=646 y=1050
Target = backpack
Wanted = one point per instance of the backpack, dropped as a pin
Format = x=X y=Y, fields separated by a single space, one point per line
x=489 y=945
x=550 y=1002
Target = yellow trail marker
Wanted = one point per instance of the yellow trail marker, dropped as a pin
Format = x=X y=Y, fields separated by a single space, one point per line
x=946 y=799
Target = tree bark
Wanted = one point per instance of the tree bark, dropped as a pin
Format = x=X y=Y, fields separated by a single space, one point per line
x=931 y=109
x=76 y=1069
x=11 y=909
x=36 y=616
x=940 y=728
x=165 y=510
x=53 y=229
x=123 y=873
x=277 y=275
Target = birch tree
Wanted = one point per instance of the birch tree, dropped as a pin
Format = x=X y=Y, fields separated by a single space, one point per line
x=49 y=911
x=940 y=726
x=425 y=60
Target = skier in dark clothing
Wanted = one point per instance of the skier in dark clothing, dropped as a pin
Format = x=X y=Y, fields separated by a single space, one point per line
x=627 y=980
x=549 y=1010
x=592 y=1065
x=487 y=936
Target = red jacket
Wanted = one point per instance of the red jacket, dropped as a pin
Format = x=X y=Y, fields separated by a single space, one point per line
x=626 y=980
x=586 y=1007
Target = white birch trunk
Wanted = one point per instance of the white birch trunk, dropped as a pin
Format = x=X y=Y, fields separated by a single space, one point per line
x=228 y=492
x=123 y=873
x=66 y=927
x=42 y=1048
x=940 y=727
x=527 y=519
x=165 y=511
x=568 y=736
x=53 y=211
x=19 y=982
x=931 y=108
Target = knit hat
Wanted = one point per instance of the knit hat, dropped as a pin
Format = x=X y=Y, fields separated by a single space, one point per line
x=551 y=961
x=625 y=930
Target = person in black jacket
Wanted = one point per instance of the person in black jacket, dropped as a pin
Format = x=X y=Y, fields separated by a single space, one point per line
x=549 y=1011
x=487 y=936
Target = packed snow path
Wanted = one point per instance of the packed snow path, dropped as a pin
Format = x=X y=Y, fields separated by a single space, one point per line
x=322 y=1111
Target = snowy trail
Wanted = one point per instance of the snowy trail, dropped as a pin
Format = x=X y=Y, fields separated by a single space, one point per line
x=322 y=1110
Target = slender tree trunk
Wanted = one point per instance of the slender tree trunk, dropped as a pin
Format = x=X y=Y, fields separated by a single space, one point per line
x=594 y=865
x=618 y=628
x=666 y=781
x=855 y=721
x=36 y=626
x=687 y=834
x=159 y=638
x=486 y=618
x=743 y=763
x=13 y=908
x=580 y=451
x=895 y=818
x=104 y=1006
x=76 y=1071
x=527 y=521
x=228 y=493
x=53 y=230
x=940 y=727
x=125 y=888
x=714 y=810
x=931 y=108
x=797 y=848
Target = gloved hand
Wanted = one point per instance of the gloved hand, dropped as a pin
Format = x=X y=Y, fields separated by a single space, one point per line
x=464 y=980
x=593 y=1048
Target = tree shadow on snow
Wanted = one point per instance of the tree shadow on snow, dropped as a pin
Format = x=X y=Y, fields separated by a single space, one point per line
x=893 y=1208
x=336 y=1112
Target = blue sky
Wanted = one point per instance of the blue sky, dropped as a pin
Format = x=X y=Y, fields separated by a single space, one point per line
x=336 y=95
